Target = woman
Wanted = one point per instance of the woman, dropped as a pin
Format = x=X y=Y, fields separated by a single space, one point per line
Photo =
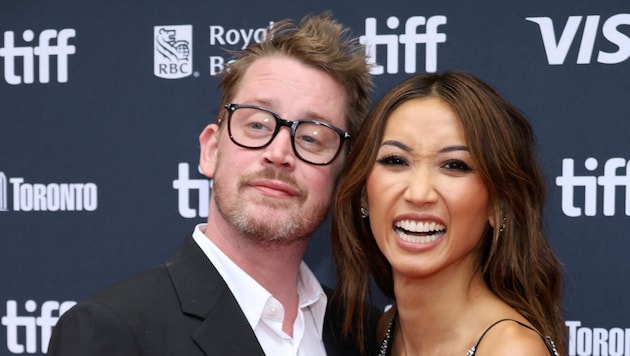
x=441 y=200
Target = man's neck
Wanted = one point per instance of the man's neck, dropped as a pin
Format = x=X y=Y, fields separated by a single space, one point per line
x=275 y=266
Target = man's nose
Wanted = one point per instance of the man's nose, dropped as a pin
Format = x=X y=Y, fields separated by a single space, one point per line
x=280 y=150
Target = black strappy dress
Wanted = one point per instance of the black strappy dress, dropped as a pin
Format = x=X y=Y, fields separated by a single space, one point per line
x=386 y=344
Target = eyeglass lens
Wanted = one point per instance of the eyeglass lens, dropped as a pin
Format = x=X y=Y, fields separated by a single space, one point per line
x=256 y=128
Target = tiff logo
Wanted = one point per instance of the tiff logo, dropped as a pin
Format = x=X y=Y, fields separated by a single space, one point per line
x=22 y=327
x=557 y=49
x=184 y=185
x=3 y=192
x=50 y=44
x=610 y=181
x=410 y=39
x=173 y=49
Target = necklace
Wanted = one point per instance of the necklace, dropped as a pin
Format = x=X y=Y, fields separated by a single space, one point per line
x=384 y=349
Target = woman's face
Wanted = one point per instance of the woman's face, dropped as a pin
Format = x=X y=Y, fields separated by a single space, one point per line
x=428 y=206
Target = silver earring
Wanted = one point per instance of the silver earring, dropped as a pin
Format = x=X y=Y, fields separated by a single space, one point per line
x=502 y=228
x=364 y=212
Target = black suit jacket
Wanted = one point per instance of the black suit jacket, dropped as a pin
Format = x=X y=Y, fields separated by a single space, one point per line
x=181 y=308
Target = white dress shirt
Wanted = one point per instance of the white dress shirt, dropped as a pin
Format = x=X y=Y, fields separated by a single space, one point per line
x=265 y=313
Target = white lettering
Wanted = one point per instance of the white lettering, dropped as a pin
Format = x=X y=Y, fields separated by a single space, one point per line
x=261 y=33
x=232 y=37
x=610 y=181
x=612 y=34
x=242 y=37
x=216 y=64
x=216 y=35
x=90 y=196
x=183 y=184
x=557 y=50
x=48 y=316
x=3 y=192
x=220 y=36
x=410 y=39
x=584 y=341
x=53 y=196
x=25 y=197
x=44 y=50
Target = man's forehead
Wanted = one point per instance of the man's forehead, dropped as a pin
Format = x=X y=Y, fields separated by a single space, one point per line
x=292 y=88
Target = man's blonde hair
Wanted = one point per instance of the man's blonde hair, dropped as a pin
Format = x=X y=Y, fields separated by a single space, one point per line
x=318 y=41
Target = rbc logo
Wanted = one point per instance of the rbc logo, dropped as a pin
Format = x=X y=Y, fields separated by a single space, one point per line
x=172 y=58
x=410 y=39
x=557 y=49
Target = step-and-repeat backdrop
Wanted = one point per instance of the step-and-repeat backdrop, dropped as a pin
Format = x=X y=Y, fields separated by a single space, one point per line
x=101 y=103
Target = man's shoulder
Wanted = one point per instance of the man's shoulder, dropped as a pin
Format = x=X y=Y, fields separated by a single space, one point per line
x=139 y=284
x=158 y=287
x=137 y=292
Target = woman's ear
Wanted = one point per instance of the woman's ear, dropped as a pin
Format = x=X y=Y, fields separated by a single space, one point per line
x=491 y=218
x=364 y=199
x=209 y=147
x=365 y=212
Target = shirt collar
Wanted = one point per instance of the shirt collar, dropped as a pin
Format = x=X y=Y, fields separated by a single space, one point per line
x=251 y=296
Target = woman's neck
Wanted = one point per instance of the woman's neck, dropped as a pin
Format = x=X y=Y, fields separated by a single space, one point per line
x=436 y=315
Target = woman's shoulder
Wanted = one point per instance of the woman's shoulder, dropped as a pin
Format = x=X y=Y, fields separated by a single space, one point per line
x=511 y=337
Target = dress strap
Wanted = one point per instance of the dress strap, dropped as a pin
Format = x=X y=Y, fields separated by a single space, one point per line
x=551 y=346
x=386 y=345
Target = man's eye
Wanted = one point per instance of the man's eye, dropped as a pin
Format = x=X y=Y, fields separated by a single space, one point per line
x=256 y=126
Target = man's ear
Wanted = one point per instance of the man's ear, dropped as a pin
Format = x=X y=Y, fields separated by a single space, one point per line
x=208 y=151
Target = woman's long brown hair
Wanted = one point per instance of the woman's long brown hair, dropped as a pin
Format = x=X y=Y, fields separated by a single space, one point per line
x=518 y=264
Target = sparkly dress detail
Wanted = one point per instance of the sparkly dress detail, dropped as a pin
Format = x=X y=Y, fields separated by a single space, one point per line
x=386 y=344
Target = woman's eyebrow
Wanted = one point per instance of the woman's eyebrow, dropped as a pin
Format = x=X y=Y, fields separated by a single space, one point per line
x=398 y=144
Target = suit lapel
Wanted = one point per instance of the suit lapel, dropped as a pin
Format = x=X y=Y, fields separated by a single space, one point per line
x=226 y=330
x=203 y=294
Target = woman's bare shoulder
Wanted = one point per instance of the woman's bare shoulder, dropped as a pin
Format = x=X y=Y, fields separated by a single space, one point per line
x=511 y=338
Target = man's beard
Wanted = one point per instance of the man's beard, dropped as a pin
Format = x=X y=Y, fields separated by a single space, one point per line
x=295 y=226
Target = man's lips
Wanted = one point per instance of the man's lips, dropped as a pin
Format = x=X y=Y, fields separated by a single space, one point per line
x=273 y=183
x=275 y=188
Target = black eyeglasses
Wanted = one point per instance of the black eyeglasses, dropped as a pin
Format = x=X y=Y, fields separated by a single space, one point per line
x=314 y=142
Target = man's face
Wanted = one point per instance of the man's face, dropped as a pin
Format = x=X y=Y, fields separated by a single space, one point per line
x=268 y=194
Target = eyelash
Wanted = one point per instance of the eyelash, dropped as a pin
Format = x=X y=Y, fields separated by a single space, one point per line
x=451 y=165
x=392 y=160
x=461 y=165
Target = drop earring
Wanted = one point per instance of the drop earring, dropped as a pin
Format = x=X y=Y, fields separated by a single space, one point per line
x=502 y=228
x=364 y=212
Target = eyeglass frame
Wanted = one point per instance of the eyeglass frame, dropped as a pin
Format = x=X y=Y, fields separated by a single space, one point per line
x=293 y=125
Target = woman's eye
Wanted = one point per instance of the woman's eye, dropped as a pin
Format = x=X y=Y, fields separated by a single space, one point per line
x=457 y=165
x=392 y=161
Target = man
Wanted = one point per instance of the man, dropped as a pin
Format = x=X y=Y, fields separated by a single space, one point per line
x=238 y=286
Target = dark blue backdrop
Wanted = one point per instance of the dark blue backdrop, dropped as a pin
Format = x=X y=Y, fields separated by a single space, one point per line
x=101 y=103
